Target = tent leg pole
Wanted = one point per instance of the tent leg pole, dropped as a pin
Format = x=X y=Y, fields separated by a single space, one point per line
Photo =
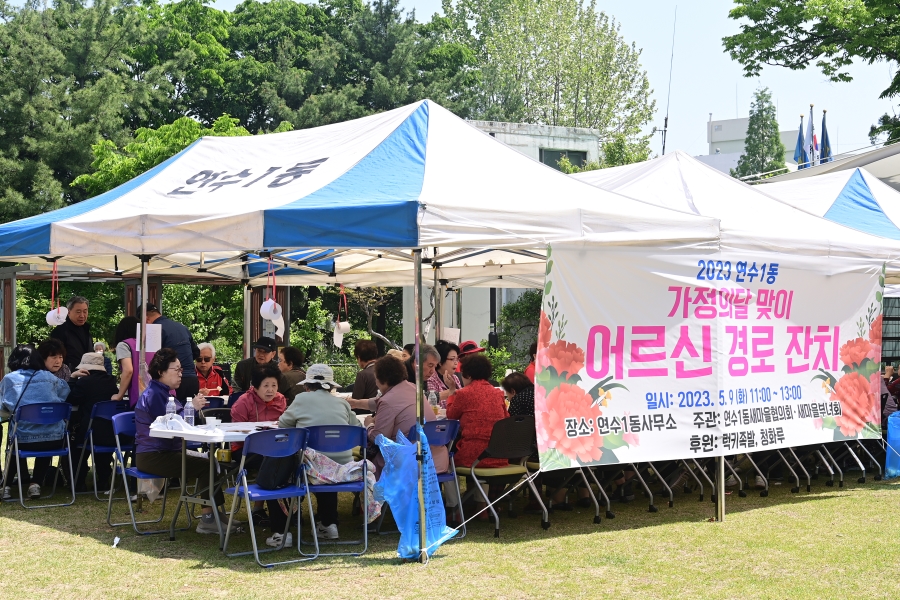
x=420 y=408
x=145 y=297
x=248 y=292
x=438 y=307
x=720 y=489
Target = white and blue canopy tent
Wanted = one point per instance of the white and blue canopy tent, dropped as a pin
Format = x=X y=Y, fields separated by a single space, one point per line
x=372 y=195
x=749 y=218
x=854 y=198
x=353 y=192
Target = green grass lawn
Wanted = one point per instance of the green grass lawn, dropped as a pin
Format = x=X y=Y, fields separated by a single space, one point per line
x=833 y=542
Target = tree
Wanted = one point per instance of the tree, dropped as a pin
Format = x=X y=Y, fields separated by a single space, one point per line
x=828 y=33
x=212 y=313
x=614 y=153
x=556 y=62
x=763 y=150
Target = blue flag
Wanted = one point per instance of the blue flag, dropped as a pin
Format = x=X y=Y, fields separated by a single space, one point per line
x=825 y=154
x=800 y=155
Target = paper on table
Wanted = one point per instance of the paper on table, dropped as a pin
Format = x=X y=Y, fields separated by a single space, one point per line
x=450 y=334
x=154 y=337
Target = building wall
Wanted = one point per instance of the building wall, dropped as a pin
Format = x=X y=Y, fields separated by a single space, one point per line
x=727 y=137
x=531 y=139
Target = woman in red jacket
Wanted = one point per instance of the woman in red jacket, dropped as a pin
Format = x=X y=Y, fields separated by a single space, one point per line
x=261 y=402
x=477 y=406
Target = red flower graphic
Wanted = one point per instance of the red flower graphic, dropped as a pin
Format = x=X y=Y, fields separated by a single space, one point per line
x=565 y=357
x=858 y=403
x=875 y=331
x=544 y=331
x=854 y=351
x=569 y=402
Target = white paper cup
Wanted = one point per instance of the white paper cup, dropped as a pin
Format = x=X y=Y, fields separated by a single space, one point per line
x=212 y=422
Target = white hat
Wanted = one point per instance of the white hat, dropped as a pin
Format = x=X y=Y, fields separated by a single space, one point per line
x=321 y=374
x=91 y=361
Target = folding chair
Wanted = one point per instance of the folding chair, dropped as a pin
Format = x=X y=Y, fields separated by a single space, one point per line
x=123 y=425
x=340 y=438
x=224 y=413
x=214 y=402
x=443 y=433
x=278 y=443
x=103 y=411
x=41 y=413
x=512 y=438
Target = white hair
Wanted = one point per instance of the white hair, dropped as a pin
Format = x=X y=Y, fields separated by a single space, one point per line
x=205 y=345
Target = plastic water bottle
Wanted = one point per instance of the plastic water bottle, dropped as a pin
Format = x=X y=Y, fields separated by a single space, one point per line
x=171 y=409
x=434 y=401
x=188 y=413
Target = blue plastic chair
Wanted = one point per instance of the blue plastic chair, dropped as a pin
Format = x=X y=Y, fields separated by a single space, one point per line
x=123 y=425
x=276 y=443
x=103 y=411
x=214 y=402
x=41 y=413
x=340 y=438
x=233 y=397
x=443 y=433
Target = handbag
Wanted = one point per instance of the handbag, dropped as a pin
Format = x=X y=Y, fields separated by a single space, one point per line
x=276 y=473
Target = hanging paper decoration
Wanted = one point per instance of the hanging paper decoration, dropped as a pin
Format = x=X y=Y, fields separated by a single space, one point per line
x=341 y=327
x=271 y=310
x=57 y=315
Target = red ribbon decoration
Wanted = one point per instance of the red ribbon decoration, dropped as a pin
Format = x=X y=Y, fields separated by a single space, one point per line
x=270 y=275
x=54 y=288
x=343 y=300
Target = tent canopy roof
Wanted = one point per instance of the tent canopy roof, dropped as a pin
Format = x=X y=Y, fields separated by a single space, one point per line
x=414 y=177
x=749 y=218
x=854 y=198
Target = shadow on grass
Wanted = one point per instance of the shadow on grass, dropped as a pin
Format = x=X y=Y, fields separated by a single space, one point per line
x=87 y=519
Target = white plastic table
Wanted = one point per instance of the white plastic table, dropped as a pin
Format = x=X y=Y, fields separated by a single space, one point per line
x=222 y=433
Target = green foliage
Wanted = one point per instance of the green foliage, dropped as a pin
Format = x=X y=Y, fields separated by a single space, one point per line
x=500 y=361
x=309 y=333
x=517 y=327
x=614 y=153
x=212 y=314
x=556 y=62
x=105 y=303
x=763 y=149
x=113 y=167
x=830 y=34
x=887 y=130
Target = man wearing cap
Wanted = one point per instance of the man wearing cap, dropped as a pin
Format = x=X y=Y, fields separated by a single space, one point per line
x=177 y=337
x=92 y=385
x=264 y=351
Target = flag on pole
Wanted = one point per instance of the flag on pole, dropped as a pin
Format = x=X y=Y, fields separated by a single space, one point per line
x=809 y=143
x=800 y=156
x=825 y=154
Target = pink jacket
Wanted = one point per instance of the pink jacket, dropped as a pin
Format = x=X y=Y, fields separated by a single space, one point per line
x=251 y=408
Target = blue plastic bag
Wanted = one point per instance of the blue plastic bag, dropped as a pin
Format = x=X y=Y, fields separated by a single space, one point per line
x=398 y=486
x=892 y=466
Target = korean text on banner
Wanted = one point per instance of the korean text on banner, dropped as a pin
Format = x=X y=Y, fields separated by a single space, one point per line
x=648 y=355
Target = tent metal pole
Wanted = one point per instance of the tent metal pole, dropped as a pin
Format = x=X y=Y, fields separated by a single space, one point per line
x=720 y=489
x=145 y=297
x=420 y=402
x=248 y=293
x=438 y=290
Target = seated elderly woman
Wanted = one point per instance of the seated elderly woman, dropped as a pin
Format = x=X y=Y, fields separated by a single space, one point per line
x=395 y=410
x=262 y=402
x=477 y=406
x=444 y=380
x=520 y=394
x=53 y=352
x=28 y=382
x=162 y=457
x=317 y=406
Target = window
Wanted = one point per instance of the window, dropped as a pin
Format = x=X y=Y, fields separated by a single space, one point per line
x=890 y=340
x=551 y=158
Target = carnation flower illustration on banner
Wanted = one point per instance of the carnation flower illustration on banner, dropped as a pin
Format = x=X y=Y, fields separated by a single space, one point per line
x=566 y=414
x=858 y=387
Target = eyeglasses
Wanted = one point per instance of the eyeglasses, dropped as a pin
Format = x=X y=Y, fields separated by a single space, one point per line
x=203 y=359
x=176 y=369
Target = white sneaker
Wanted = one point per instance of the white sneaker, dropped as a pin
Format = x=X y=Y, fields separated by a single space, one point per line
x=731 y=481
x=275 y=540
x=7 y=493
x=760 y=483
x=34 y=491
x=329 y=532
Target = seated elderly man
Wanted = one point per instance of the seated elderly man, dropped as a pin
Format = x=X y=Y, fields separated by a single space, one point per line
x=429 y=364
x=212 y=378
